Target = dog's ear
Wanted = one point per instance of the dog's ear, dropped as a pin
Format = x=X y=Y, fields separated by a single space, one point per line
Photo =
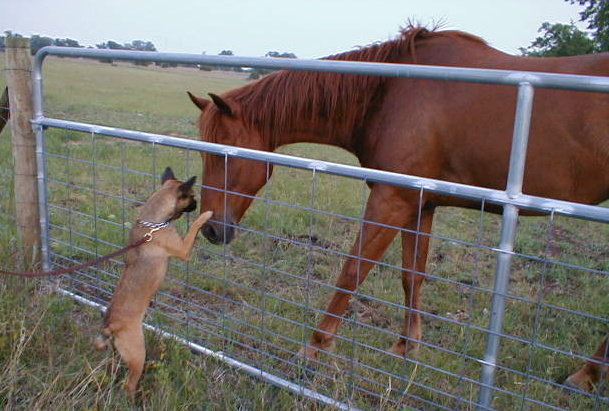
x=185 y=187
x=167 y=175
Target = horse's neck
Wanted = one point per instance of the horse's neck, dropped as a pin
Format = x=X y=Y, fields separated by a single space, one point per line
x=312 y=108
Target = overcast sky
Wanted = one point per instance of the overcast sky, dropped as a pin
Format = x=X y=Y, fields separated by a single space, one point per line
x=307 y=28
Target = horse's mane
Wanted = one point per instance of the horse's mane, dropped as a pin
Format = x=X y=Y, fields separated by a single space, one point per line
x=282 y=100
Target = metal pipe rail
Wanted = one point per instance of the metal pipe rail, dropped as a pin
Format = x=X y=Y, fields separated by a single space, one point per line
x=506 y=77
x=499 y=197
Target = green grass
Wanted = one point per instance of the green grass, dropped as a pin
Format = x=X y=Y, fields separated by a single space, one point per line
x=46 y=346
x=142 y=98
x=49 y=363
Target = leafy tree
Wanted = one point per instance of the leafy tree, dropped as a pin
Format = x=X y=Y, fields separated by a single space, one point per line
x=559 y=40
x=276 y=54
x=140 y=45
x=113 y=45
x=66 y=43
x=596 y=13
x=566 y=39
x=108 y=45
x=37 y=42
x=256 y=73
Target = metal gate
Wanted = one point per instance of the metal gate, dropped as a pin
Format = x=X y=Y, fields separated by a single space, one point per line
x=225 y=304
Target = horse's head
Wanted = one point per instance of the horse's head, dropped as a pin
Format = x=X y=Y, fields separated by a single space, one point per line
x=229 y=184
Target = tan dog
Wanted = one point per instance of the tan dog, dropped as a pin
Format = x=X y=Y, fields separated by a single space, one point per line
x=145 y=270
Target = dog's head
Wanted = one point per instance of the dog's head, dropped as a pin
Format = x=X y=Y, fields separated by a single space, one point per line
x=175 y=197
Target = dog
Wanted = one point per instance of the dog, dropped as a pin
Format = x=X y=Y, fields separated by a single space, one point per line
x=145 y=270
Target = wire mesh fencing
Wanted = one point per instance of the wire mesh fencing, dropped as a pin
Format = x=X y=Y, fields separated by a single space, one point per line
x=257 y=300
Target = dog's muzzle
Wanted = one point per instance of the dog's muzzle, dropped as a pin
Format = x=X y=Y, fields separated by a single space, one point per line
x=192 y=206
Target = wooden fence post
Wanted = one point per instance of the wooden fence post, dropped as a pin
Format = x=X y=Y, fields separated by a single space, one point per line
x=19 y=80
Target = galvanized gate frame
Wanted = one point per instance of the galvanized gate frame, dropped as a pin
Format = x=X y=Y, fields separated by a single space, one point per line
x=511 y=199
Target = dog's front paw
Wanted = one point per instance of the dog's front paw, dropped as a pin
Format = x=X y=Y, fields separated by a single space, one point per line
x=202 y=218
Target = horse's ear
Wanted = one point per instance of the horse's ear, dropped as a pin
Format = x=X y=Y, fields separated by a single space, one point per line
x=222 y=105
x=167 y=175
x=198 y=101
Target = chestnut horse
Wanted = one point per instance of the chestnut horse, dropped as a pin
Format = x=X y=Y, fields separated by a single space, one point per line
x=454 y=131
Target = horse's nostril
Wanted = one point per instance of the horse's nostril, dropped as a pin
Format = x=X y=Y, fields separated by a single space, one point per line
x=217 y=233
x=210 y=233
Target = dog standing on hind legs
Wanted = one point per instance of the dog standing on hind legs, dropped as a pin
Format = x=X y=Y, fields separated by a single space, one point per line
x=145 y=270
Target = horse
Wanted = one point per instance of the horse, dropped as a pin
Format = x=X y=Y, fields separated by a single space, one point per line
x=453 y=131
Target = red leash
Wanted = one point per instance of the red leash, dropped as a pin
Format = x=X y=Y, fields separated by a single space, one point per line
x=146 y=238
x=80 y=266
x=67 y=270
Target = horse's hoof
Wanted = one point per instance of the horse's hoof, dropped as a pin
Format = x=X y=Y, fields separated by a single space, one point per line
x=312 y=349
x=403 y=349
x=307 y=352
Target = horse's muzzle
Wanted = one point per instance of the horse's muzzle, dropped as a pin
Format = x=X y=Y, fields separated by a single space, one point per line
x=217 y=232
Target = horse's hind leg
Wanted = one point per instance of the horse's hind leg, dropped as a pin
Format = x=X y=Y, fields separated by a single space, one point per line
x=591 y=372
x=415 y=246
x=131 y=346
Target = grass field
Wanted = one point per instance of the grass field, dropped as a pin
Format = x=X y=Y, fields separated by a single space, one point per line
x=45 y=341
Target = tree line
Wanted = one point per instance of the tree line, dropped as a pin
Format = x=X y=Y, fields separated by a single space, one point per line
x=37 y=42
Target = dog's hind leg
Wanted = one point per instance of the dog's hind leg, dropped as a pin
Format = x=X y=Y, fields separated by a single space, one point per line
x=130 y=344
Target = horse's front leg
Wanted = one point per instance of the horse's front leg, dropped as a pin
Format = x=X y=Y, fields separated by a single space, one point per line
x=415 y=246
x=386 y=207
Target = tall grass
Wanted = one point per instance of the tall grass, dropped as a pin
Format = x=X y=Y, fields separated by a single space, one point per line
x=46 y=345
